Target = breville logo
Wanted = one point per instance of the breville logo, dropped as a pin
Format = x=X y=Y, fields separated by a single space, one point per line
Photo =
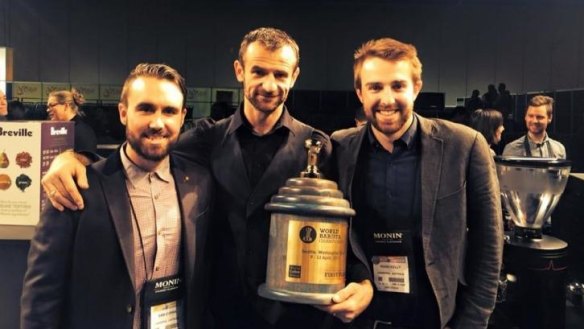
x=19 y=132
x=60 y=131
x=167 y=283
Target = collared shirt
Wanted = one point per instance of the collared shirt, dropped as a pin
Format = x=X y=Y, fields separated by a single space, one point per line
x=392 y=177
x=549 y=148
x=387 y=195
x=156 y=223
x=258 y=151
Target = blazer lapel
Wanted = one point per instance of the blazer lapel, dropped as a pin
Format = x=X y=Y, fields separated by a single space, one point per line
x=288 y=162
x=432 y=156
x=187 y=200
x=228 y=167
x=351 y=154
x=115 y=191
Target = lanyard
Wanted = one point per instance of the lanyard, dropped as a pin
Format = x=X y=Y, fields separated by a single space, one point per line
x=135 y=219
x=528 y=148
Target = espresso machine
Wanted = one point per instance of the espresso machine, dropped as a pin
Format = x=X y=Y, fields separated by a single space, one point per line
x=534 y=264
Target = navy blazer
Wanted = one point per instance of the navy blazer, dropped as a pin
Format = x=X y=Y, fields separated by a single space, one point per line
x=462 y=233
x=81 y=263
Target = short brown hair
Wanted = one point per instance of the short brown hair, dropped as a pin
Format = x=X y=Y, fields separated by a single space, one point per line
x=539 y=100
x=158 y=71
x=271 y=38
x=388 y=49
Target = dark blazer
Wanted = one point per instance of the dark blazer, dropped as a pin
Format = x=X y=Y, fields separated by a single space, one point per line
x=85 y=138
x=81 y=263
x=243 y=224
x=462 y=235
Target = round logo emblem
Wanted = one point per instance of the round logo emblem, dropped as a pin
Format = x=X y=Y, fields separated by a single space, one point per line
x=307 y=234
x=4 y=162
x=5 y=182
x=23 y=159
x=23 y=182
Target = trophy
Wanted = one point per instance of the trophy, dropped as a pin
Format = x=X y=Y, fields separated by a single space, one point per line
x=308 y=238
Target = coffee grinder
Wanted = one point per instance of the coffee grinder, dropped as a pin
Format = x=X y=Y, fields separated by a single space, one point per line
x=534 y=263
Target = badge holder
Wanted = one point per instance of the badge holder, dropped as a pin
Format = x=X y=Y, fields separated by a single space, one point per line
x=162 y=303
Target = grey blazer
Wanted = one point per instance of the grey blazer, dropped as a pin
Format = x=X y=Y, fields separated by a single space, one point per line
x=462 y=234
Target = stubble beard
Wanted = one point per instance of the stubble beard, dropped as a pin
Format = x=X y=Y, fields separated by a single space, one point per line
x=153 y=153
x=390 y=129
x=253 y=98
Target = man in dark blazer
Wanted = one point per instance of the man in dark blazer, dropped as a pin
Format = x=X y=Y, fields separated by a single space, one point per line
x=83 y=266
x=427 y=201
x=252 y=154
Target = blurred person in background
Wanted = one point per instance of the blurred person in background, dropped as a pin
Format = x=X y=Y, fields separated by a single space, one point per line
x=64 y=105
x=537 y=143
x=3 y=107
x=488 y=122
x=360 y=118
x=474 y=102
x=16 y=111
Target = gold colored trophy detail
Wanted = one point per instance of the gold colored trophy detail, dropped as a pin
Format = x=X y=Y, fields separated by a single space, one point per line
x=308 y=237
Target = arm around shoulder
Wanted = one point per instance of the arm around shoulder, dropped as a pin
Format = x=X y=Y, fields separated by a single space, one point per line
x=64 y=178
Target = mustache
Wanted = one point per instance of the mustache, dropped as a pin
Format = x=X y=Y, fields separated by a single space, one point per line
x=262 y=92
x=382 y=107
x=155 y=133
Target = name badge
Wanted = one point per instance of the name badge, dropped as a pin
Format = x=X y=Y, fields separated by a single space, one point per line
x=162 y=303
x=391 y=273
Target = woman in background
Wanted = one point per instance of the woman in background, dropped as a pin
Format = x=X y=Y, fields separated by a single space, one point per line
x=64 y=106
x=488 y=122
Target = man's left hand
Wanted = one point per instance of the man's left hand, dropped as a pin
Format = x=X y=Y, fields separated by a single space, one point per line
x=350 y=301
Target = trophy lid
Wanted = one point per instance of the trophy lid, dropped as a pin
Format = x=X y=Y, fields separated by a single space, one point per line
x=310 y=194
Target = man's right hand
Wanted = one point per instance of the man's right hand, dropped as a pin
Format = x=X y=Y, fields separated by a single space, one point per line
x=61 y=182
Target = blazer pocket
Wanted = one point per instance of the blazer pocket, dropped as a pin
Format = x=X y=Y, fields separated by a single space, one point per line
x=450 y=194
x=450 y=226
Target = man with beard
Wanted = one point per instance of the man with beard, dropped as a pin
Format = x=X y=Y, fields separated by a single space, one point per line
x=536 y=143
x=427 y=201
x=251 y=154
x=135 y=256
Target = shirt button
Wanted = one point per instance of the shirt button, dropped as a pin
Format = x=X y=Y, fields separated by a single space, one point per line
x=129 y=308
